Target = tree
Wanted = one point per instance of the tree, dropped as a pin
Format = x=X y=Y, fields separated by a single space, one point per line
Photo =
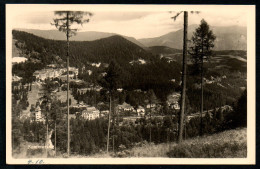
x=46 y=99
x=63 y=23
x=152 y=99
x=238 y=117
x=202 y=43
x=17 y=136
x=111 y=82
x=55 y=113
x=184 y=71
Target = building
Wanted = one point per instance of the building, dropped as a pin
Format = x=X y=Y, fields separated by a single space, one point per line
x=173 y=100
x=81 y=105
x=96 y=64
x=74 y=70
x=125 y=107
x=16 y=78
x=72 y=116
x=140 y=111
x=104 y=113
x=37 y=115
x=85 y=90
x=148 y=106
x=90 y=113
x=53 y=73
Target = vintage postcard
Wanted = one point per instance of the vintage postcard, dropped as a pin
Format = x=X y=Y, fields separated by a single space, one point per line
x=130 y=84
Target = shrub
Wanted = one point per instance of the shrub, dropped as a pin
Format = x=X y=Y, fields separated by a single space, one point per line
x=216 y=150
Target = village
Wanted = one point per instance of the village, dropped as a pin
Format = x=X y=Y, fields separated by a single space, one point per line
x=80 y=109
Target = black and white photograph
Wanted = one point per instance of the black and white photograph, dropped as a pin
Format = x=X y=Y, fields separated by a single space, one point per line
x=130 y=84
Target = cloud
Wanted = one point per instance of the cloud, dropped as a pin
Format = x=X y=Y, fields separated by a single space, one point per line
x=119 y=16
x=135 y=24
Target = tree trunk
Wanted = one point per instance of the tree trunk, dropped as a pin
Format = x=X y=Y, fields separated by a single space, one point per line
x=183 y=92
x=150 y=128
x=55 y=138
x=109 y=114
x=68 y=110
x=47 y=128
x=113 y=141
x=201 y=106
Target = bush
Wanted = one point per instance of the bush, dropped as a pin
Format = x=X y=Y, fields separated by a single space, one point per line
x=35 y=152
x=239 y=116
x=206 y=150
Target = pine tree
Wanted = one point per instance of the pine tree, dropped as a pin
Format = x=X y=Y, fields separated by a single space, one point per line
x=111 y=82
x=46 y=101
x=64 y=24
x=202 y=44
x=184 y=71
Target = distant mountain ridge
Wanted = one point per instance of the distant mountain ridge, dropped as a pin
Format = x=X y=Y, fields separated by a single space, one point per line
x=80 y=36
x=227 y=38
x=164 y=50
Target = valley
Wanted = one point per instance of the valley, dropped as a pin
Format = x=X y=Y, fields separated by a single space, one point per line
x=146 y=85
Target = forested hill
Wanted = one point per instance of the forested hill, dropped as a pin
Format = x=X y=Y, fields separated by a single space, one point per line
x=147 y=71
x=102 y=50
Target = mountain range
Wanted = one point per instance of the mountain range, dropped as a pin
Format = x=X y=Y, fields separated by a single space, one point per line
x=80 y=36
x=227 y=38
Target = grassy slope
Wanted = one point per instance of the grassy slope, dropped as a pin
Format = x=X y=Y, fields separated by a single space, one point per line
x=227 y=144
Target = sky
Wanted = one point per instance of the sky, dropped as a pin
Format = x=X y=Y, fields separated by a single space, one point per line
x=137 y=24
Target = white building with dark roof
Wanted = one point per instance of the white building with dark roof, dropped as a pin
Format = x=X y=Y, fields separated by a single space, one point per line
x=90 y=113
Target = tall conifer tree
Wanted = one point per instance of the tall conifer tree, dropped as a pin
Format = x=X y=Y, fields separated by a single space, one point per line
x=64 y=23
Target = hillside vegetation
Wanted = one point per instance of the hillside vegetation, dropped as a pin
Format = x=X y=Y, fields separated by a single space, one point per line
x=227 y=144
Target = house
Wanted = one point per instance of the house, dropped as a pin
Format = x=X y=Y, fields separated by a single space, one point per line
x=74 y=70
x=72 y=116
x=173 y=80
x=172 y=100
x=119 y=89
x=96 y=64
x=83 y=90
x=104 y=113
x=148 y=106
x=90 y=113
x=52 y=72
x=52 y=65
x=140 y=111
x=89 y=72
x=175 y=106
x=125 y=107
x=16 y=78
x=81 y=105
x=37 y=115
x=104 y=74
